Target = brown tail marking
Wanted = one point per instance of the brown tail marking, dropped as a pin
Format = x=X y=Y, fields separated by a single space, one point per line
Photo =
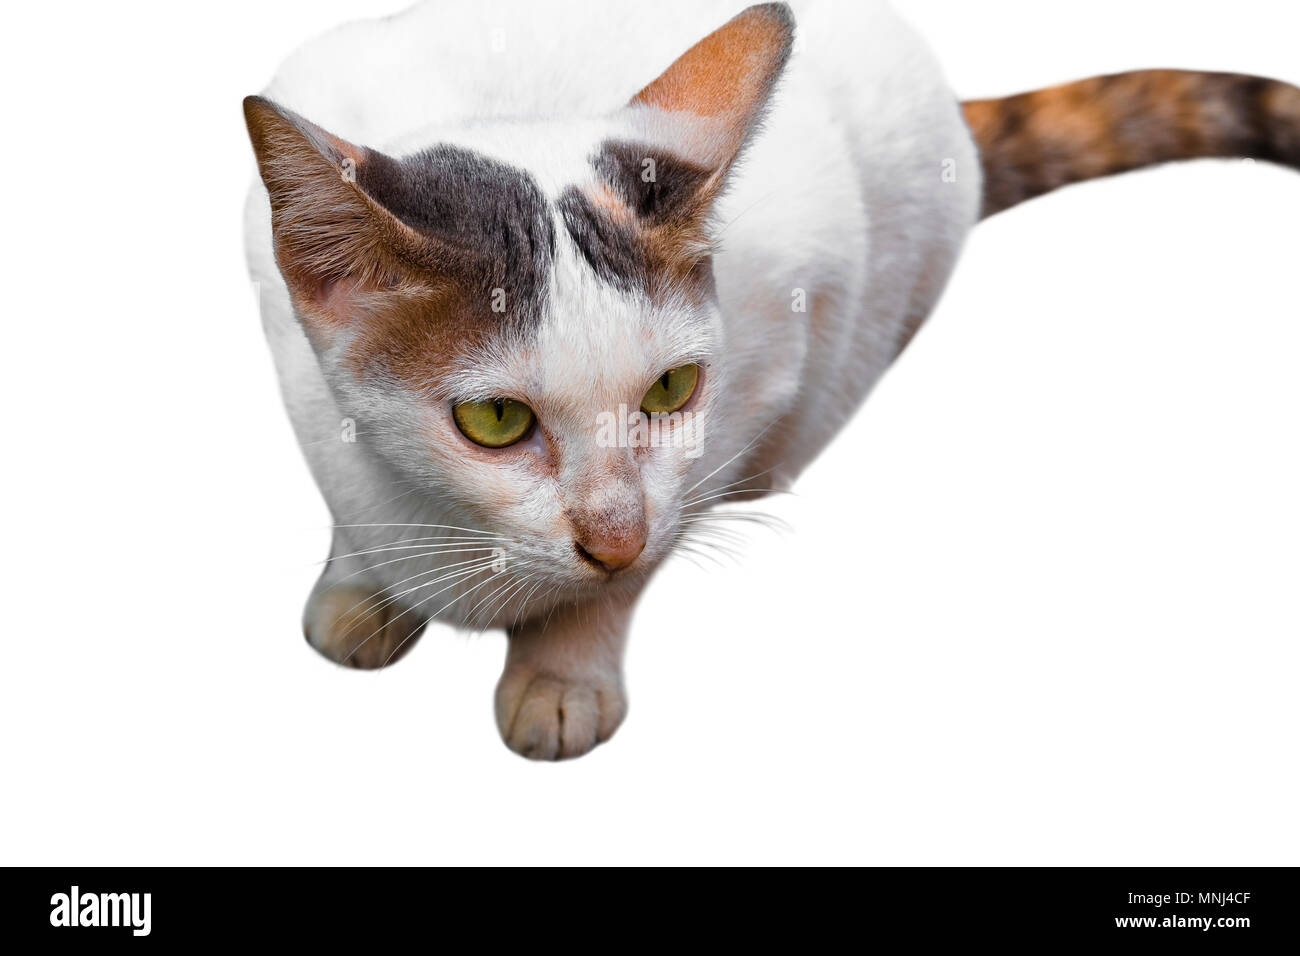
x=1035 y=142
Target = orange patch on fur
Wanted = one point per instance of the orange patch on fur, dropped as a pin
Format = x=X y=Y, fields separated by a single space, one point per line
x=730 y=73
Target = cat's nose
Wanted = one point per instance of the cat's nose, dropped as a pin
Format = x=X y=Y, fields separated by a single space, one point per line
x=613 y=553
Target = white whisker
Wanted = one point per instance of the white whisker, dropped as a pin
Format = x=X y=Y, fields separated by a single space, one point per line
x=464 y=568
x=414 y=557
x=432 y=616
x=458 y=577
x=383 y=524
x=398 y=497
x=730 y=484
x=748 y=445
x=397 y=546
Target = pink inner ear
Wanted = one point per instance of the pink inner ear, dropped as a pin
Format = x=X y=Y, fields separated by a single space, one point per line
x=729 y=73
x=327 y=308
x=336 y=299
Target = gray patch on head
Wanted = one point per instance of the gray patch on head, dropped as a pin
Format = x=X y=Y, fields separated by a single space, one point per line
x=614 y=250
x=657 y=186
x=491 y=218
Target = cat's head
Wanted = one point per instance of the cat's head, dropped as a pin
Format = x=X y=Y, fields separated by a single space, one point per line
x=497 y=328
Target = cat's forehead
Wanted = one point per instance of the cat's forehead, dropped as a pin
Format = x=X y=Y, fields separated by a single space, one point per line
x=595 y=345
x=497 y=188
x=553 y=152
x=611 y=338
x=553 y=262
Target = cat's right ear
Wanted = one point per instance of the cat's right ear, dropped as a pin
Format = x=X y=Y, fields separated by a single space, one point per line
x=331 y=238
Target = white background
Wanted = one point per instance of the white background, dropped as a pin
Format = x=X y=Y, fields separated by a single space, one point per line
x=1038 y=606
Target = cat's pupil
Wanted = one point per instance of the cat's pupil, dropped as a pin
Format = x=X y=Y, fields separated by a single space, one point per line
x=664 y=381
x=500 y=405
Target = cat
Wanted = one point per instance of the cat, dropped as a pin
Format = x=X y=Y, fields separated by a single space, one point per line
x=497 y=241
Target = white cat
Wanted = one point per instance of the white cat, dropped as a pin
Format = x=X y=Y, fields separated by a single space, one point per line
x=545 y=283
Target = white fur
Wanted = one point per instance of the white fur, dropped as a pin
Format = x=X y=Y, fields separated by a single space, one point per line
x=840 y=195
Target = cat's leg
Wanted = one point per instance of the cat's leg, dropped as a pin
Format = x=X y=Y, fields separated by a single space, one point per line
x=562 y=693
x=351 y=620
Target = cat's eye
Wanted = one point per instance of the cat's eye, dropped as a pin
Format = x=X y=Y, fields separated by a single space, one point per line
x=494 y=423
x=673 y=389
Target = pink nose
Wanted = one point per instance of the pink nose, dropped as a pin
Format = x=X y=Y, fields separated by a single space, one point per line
x=614 y=553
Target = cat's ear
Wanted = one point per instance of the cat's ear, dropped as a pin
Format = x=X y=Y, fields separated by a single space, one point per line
x=330 y=235
x=680 y=137
x=711 y=99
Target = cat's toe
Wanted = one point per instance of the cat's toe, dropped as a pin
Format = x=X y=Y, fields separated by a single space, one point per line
x=543 y=717
x=354 y=628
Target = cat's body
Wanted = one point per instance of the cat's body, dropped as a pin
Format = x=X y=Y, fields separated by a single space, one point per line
x=836 y=233
x=847 y=172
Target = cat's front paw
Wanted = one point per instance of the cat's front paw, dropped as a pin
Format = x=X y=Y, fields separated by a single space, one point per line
x=545 y=717
x=359 y=628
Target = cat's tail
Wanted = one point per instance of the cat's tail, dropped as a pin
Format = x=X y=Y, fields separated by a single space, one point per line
x=1035 y=142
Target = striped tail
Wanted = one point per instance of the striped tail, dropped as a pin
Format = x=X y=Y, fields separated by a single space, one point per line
x=1035 y=142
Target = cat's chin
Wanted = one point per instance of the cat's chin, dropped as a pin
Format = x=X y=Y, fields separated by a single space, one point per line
x=548 y=599
x=628 y=580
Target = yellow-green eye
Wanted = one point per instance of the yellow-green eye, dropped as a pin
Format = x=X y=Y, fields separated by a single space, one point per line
x=494 y=423
x=673 y=390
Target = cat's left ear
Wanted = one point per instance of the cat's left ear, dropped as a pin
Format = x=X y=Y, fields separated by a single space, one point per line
x=709 y=102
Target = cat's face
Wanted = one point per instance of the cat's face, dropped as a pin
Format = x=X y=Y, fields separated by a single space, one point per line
x=529 y=422
x=547 y=362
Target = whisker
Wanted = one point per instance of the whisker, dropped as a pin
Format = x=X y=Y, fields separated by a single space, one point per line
x=432 y=616
x=321 y=441
x=413 y=557
x=412 y=524
x=504 y=585
x=547 y=623
x=398 y=546
x=381 y=504
x=771 y=522
x=707 y=525
x=510 y=590
x=472 y=566
x=686 y=549
x=721 y=231
x=739 y=491
x=707 y=552
x=727 y=547
x=458 y=576
x=730 y=484
x=527 y=597
x=748 y=445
